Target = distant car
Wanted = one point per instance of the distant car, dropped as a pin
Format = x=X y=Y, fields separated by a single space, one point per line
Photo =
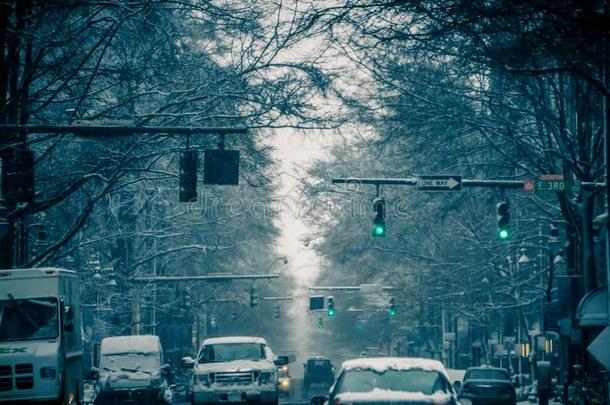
x=318 y=370
x=483 y=385
x=396 y=380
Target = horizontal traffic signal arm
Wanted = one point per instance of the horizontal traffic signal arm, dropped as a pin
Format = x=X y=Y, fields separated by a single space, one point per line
x=119 y=130
x=209 y=277
x=412 y=181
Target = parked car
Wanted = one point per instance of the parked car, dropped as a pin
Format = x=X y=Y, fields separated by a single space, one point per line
x=234 y=369
x=488 y=385
x=392 y=380
x=318 y=370
x=131 y=370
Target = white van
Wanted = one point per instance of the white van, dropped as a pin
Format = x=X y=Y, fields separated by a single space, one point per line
x=40 y=336
x=131 y=369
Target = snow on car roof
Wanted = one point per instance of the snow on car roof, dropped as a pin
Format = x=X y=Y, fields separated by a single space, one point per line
x=381 y=364
x=234 y=339
x=381 y=395
x=130 y=344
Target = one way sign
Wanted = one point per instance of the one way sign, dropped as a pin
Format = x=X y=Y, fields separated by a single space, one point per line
x=439 y=183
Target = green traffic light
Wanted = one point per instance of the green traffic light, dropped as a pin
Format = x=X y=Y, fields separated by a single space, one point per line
x=503 y=234
x=392 y=313
x=379 y=230
x=330 y=312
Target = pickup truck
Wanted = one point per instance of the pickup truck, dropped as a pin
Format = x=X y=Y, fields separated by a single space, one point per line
x=234 y=369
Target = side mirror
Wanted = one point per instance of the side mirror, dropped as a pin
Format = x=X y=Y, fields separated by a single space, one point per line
x=457 y=386
x=166 y=370
x=281 y=360
x=320 y=400
x=93 y=374
x=187 y=362
x=68 y=318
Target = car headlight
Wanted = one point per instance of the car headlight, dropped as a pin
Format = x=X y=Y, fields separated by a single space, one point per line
x=203 y=379
x=267 y=378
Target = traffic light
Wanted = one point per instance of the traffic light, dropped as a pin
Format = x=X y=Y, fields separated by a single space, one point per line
x=330 y=309
x=253 y=297
x=187 y=301
x=379 y=217
x=276 y=312
x=18 y=180
x=320 y=322
x=503 y=219
x=554 y=237
x=392 y=307
x=188 y=176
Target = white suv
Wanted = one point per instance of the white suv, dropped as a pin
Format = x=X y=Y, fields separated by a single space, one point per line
x=233 y=369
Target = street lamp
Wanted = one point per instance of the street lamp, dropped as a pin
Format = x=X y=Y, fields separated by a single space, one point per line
x=283 y=258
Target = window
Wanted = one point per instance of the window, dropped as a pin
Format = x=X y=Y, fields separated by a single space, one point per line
x=483 y=374
x=29 y=319
x=223 y=352
x=414 y=380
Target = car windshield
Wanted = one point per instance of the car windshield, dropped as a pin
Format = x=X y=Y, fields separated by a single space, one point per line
x=318 y=363
x=29 y=319
x=131 y=361
x=232 y=351
x=481 y=374
x=414 y=380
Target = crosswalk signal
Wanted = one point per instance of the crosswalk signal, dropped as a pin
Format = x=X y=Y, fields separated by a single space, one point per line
x=188 y=176
x=320 y=322
x=392 y=307
x=503 y=220
x=379 y=217
x=253 y=297
x=276 y=312
x=330 y=310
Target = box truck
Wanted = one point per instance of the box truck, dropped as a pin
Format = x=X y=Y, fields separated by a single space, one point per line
x=40 y=336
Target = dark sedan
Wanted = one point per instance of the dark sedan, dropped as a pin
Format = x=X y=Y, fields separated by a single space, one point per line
x=488 y=385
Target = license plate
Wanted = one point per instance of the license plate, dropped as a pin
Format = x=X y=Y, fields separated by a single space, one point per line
x=235 y=397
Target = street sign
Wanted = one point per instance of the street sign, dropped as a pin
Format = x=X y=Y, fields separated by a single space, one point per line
x=600 y=349
x=439 y=183
x=316 y=302
x=553 y=183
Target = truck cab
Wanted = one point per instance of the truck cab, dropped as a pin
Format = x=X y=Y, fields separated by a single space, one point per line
x=40 y=336
x=234 y=369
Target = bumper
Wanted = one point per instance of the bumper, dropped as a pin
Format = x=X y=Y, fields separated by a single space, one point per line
x=133 y=396
x=484 y=399
x=234 y=394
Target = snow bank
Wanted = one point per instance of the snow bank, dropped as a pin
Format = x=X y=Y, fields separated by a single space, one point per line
x=381 y=395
